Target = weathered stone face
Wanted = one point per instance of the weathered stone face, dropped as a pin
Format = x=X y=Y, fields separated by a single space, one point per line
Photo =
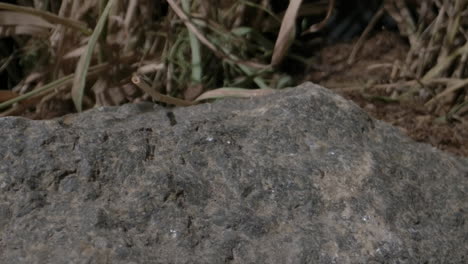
x=301 y=176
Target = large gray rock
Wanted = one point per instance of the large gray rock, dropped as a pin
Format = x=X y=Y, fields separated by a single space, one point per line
x=301 y=176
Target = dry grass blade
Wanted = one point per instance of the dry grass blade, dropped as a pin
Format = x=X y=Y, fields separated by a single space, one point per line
x=8 y=18
x=52 y=18
x=137 y=80
x=77 y=52
x=23 y=30
x=444 y=63
x=364 y=35
x=79 y=81
x=222 y=52
x=463 y=107
x=53 y=85
x=233 y=92
x=16 y=23
x=438 y=49
x=323 y=23
x=287 y=32
x=192 y=28
x=458 y=84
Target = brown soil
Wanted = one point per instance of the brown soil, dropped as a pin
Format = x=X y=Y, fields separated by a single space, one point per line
x=373 y=65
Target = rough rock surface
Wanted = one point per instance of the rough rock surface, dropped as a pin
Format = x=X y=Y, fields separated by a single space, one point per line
x=301 y=176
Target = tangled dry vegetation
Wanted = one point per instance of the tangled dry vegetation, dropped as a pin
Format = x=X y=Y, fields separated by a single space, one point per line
x=80 y=54
x=437 y=59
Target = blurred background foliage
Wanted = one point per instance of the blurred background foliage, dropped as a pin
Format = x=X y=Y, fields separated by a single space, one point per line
x=55 y=59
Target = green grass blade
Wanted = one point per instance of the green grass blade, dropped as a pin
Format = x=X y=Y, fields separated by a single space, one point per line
x=196 y=50
x=49 y=86
x=79 y=81
x=53 y=85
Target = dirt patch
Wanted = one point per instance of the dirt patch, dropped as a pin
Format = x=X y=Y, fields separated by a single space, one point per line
x=374 y=64
x=418 y=123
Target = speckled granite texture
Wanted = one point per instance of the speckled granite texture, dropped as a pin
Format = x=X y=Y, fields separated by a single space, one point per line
x=300 y=176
